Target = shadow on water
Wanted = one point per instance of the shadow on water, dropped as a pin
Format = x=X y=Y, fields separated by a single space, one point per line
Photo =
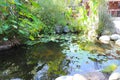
x=46 y=61
x=13 y=63
x=24 y=62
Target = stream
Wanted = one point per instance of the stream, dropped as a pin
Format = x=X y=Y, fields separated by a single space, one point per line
x=47 y=61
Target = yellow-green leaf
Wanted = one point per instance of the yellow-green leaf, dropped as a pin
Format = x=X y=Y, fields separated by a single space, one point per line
x=31 y=37
x=109 y=68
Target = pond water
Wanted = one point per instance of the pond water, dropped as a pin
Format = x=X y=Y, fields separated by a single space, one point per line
x=46 y=61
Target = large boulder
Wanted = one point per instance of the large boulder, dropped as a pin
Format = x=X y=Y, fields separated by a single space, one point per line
x=104 y=39
x=115 y=75
x=114 y=37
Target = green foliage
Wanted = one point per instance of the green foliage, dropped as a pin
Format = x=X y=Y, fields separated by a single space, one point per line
x=110 y=68
x=19 y=20
x=52 y=13
x=84 y=18
x=28 y=20
x=105 y=22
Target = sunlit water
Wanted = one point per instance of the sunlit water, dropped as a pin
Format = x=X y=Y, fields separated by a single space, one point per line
x=46 y=61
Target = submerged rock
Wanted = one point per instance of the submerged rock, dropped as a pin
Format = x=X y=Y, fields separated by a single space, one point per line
x=114 y=37
x=105 y=39
x=42 y=74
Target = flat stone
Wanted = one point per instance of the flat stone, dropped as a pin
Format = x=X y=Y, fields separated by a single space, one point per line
x=115 y=37
x=105 y=39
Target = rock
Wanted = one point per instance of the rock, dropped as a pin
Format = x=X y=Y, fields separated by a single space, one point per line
x=117 y=43
x=16 y=79
x=78 y=77
x=74 y=77
x=114 y=37
x=42 y=74
x=5 y=47
x=58 y=29
x=105 y=39
x=65 y=78
x=95 y=75
x=66 y=29
x=115 y=75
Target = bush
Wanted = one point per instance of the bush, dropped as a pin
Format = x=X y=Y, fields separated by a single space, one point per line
x=52 y=13
x=105 y=25
x=19 y=20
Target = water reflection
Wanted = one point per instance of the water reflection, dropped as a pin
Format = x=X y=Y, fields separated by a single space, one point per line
x=25 y=62
x=46 y=61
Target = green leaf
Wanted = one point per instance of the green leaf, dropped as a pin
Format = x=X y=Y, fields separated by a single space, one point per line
x=14 y=26
x=31 y=37
x=5 y=38
x=5 y=27
x=17 y=2
x=21 y=31
x=1 y=32
x=109 y=68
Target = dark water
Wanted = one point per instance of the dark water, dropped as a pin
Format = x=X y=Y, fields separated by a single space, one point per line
x=46 y=61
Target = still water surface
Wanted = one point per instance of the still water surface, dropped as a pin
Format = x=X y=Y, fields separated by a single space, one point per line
x=46 y=61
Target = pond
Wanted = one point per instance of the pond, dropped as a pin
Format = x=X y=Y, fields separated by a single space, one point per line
x=47 y=61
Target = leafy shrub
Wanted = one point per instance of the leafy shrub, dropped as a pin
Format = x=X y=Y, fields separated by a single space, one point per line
x=52 y=13
x=105 y=25
x=19 y=20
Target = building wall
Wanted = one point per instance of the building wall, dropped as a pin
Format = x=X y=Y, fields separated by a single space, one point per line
x=114 y=8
